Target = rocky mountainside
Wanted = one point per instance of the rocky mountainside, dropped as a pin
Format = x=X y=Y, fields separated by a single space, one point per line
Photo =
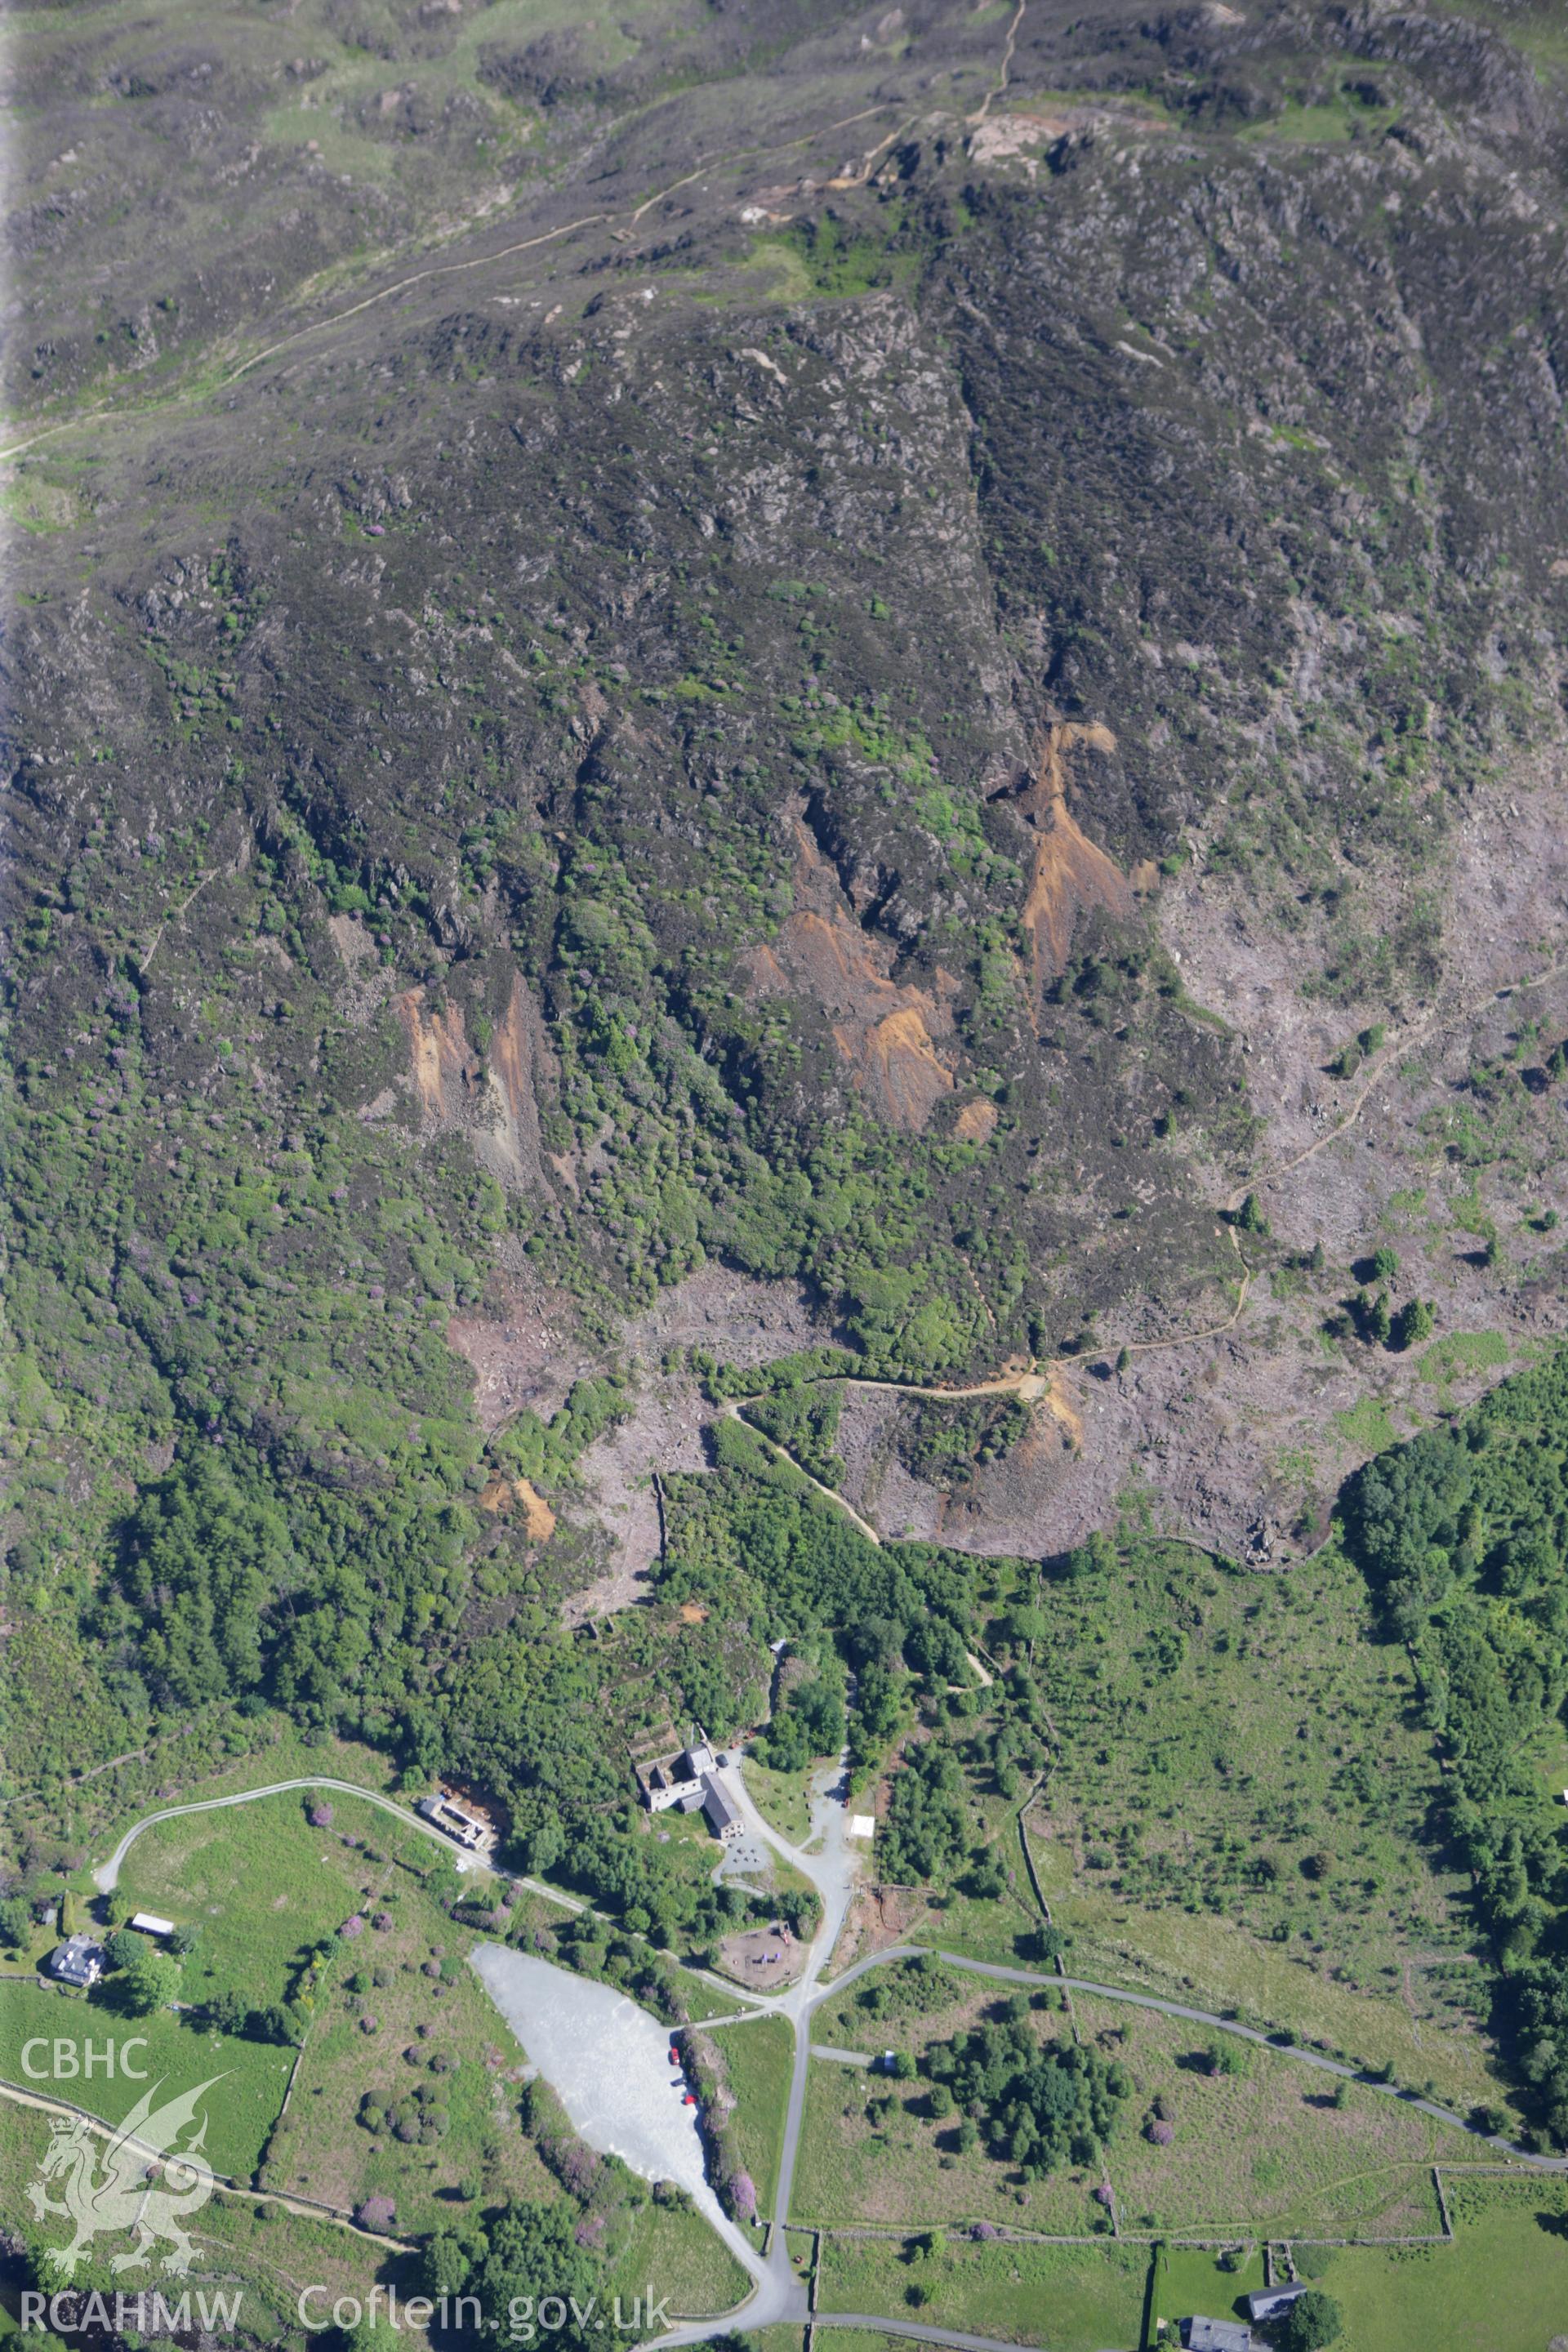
x=748 y=678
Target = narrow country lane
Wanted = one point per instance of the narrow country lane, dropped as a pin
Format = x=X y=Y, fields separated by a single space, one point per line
x=780 y=2294
x=106 y=1877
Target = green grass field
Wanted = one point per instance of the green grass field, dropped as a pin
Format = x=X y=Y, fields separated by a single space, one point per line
x=1266 y=2152
x=1366 y=1425
x=217 y=1760
x=240 y=2109
x=1501 y=2286
x=1188 y=2279
x=1318 y=126
x=708 y=2004
x=464 y=2054
x=258 y=1883
x=758 y=2058
x=1213 y=1964
x=783 y=1798
x=1237 y=1747
x=1068 y=2298
x=843 y=2339
x=1270 y=2151
x=398 y=2011
x=260 y=2249
x=900 y=2007
x=677 y=2256
x=1464 y=1351
x=981 y=1930
x=1239 y=1812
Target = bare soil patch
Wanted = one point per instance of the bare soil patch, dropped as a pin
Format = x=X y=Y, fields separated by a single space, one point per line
x=728 y=1315
x=663 y=1433
x=1071 y=873
x=877 y=1917
x=736 y=1317
x=975 y=1123
x=1239 y=1441
x=442 y=1065
x=506 y=1495
x=494 y=1103
x=886 y=1031
x=525 y=1351
x=765 y=1960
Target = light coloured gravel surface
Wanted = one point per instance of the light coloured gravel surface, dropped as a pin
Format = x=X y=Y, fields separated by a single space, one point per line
x=607 y=2061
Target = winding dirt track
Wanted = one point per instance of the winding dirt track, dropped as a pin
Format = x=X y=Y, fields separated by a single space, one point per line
x=998 y=88
x=1395 y=1047
x=731 y=1412
x=110 y=411
x=1033 y=1385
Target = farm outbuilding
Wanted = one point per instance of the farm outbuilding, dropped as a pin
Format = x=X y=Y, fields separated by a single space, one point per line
x=1274 y=2302
x=1200 y=2335
x=723 y=1818
x=453 y=1821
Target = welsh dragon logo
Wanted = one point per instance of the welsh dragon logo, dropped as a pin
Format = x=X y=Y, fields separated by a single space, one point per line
x=140 y=2181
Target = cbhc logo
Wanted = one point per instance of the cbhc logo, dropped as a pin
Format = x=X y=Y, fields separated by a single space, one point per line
x=68 y=2061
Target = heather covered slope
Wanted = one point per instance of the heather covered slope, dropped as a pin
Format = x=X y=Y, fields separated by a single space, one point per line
x=856 y=653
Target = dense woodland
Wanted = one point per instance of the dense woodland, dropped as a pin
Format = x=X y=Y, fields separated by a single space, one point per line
x=1036 y=2105
x=1463 y=1534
